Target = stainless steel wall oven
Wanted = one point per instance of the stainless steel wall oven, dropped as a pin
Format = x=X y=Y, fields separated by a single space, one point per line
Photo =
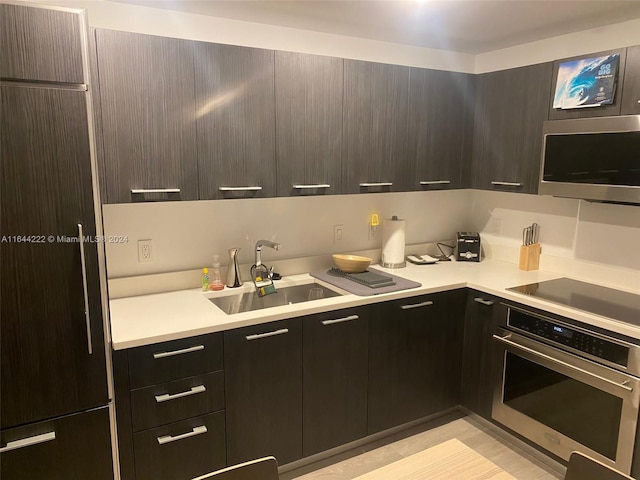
x=566 y=388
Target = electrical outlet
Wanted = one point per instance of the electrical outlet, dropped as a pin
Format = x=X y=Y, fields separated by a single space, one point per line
x=338 y=232
x=144 y=251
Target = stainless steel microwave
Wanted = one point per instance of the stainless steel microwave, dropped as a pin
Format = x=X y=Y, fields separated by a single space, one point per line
x=592 y=158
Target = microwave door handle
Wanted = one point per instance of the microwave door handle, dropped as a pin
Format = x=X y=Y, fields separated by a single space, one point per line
x=506 y=340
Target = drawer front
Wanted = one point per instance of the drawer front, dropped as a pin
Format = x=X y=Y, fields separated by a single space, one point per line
x=182 y=450
x=75 y=446
x=177 y=400
x=163 y=362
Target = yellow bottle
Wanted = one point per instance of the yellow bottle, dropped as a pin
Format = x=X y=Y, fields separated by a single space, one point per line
x=205 y=279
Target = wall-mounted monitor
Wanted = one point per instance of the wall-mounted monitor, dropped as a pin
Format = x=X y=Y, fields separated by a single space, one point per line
x=587 y=82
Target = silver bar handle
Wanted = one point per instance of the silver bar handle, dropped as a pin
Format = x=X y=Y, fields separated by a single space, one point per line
x=506 y=184
x=256 y=336
x=483 y=301
x=435 y=182
x=416 y=305
x=376 y=184
x=194 y=390
x=310 y=186
x=559 y=362
x=340 y=320
x=240 y=189
x=195 y=348
x=85 y=288
x=196 y=431
x=155 y=190
x=27 y=442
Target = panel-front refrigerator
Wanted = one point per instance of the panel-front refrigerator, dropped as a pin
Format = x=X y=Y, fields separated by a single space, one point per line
x=54 y=396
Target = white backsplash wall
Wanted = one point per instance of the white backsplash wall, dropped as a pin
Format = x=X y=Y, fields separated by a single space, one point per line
x=185 y=235
x=596 y=233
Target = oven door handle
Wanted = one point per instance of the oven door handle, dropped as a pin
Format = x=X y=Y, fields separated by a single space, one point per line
x=506 y=339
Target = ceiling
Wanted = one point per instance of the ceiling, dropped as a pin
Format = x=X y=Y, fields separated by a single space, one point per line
x=468 y=26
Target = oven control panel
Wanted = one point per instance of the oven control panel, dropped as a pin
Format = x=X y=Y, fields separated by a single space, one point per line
x=574 y=338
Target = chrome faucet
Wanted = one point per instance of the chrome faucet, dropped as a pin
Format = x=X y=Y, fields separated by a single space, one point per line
x=264 y=243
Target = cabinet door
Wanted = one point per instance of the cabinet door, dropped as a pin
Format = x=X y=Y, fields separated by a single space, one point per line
x=308 y=123
x=147 y=101
x=511 y=106
x=603 y=111
x=53 y=359
x=235 y=121
x=75 y=446
x=41 y=44
x=335 y=352
x=181 y=450
x=479 y=325
x=414 y=358
x=263 y=389
x=375 y=156
x=631 y=89
x=440 y=127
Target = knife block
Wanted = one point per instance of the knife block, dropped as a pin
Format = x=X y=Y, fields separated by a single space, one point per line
x=530 y=257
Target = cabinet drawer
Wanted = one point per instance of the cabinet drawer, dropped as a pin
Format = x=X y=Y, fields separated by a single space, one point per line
x=75 y=446
x=170 y=402
x=163 y=362
x=182 y=450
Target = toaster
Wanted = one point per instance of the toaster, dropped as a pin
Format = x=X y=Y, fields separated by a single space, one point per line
x=468 y=247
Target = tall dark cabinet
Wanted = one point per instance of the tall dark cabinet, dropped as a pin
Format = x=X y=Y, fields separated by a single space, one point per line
x=510 y=108
x=481 y=319
x=308 y=123
x=235 y=121
x=147 y=101
x=375 y=156
x=440 y=128
x=53 y=398
x=630 y=104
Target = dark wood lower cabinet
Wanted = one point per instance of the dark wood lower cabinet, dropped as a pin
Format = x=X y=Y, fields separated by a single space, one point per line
x=335 y=353
x=170 y=404
x=297 y=387
x=415 y=349
x=263 y=388
x=181 y=450
x=72 y=447
x=479 y=324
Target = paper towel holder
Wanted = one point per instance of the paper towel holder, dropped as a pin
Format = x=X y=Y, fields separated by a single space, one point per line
x=396 y=264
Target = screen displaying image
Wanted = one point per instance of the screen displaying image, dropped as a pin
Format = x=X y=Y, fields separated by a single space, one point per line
x=588 y=82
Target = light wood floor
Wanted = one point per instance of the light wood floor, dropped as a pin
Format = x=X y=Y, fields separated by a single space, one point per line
x=352 y=464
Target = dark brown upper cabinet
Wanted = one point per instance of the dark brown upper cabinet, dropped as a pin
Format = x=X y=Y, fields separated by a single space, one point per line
x=308 y=124
x=41 y=44
x=603 y=111
x=147 y=100
x=510 y=108
x=235 y=121
x=375 y=156
x=631 y=91
x=440 y=127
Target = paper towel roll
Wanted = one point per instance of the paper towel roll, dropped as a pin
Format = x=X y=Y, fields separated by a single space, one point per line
x=393 y=243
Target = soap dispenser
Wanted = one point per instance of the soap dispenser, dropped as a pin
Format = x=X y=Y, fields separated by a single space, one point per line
x=215 y=281
x=233 y=271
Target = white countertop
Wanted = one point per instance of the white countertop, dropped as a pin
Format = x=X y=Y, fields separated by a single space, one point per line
x=147 y=319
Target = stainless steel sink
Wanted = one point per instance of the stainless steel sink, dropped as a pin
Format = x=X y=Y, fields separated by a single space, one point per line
x=248 y=301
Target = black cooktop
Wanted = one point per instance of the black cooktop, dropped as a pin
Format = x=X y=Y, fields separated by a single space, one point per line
x=603 y=301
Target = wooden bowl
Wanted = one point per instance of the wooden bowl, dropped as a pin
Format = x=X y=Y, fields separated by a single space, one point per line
x=351 y=263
